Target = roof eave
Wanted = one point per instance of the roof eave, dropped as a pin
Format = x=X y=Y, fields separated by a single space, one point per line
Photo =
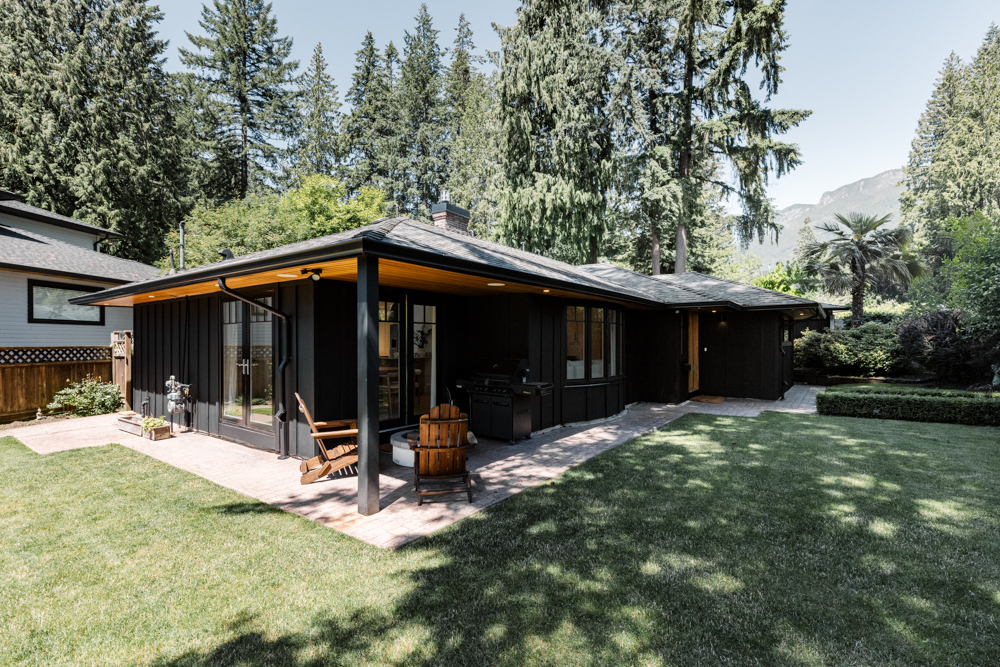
x=65 y=224
x=226 y=269
x=393 y=251
x=23 y=268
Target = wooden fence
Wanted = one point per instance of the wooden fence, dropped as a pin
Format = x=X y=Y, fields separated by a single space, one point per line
x=31 y=376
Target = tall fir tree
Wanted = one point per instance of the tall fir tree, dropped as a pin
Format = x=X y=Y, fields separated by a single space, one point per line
x=924 y=204
x=716 y=114
x=473 y=150
x=556 y=130
x=316 y=150
x=246 y=66
x=86 y=120
x=359 y=140
x=423 y=116
x=392 y=166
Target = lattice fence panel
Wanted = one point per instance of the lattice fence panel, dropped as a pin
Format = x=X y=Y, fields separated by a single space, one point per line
x=49 y=355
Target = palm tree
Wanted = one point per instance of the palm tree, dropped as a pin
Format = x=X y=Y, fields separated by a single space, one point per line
x=858 y=252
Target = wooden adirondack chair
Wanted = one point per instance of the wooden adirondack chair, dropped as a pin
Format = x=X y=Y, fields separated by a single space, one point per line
x=330 y=459
x=440 y=456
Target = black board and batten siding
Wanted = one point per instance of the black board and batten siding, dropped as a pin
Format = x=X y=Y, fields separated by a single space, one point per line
x=182 y=337
x=742 y=356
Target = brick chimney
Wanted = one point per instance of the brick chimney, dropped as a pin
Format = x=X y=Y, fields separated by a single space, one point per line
x=448 y=216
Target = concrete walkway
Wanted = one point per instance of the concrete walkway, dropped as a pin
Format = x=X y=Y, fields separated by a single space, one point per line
x=498 y=470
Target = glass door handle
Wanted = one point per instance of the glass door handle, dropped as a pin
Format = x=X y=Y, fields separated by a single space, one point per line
x=245 y=365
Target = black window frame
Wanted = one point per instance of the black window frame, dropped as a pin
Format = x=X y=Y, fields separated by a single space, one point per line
x=32 y=284
x=619 y=322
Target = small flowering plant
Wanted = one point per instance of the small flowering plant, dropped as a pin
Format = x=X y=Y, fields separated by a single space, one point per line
x=90 y=396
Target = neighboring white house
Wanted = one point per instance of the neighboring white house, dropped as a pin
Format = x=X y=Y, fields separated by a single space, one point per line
x=46 y=259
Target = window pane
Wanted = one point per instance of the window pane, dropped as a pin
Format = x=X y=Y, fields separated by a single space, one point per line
x=613 y=344
x=575 y=344
x=596 y=342
x=261 y=368
x=52 y=303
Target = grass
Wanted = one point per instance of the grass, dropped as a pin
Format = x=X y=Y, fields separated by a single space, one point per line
x=781 y=540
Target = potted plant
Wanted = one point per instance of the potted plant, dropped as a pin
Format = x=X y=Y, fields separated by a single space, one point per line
x=154 y=428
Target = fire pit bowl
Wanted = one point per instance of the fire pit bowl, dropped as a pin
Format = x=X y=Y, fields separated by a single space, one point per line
x=402 y=455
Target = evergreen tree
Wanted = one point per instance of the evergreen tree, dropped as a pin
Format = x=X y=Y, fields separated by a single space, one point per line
x=924 y=203
x=86 y=118
x=245 y=65
x=556 y=122
x=423 y=116
x=473 y=150
x=317 y=148
x=360 y=136
x=711 y=44
x=392 y=165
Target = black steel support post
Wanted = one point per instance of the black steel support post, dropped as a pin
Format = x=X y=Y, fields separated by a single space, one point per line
x=368 y=492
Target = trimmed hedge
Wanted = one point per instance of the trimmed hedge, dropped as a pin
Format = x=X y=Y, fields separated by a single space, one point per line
x=977 y=411
x=908 y=391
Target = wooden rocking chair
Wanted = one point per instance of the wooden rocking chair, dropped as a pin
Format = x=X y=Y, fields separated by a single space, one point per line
x=330 y=459
x=440 y=456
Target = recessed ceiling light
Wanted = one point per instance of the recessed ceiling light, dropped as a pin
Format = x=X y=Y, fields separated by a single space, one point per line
x=496 y=284
x=287 y=275
x=152 y=296
x=545 y=290
x=713 y=311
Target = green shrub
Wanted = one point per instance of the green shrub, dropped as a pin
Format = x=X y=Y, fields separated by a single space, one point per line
x=871 y=349
x=907 y=391
x=971 y=411
x=942 y=343
x=90 y=396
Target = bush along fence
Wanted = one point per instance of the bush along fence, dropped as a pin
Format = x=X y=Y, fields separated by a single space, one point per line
x=31 y=376
x=926 y=405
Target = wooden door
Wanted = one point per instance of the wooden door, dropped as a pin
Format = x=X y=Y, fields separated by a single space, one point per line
x=692 y=351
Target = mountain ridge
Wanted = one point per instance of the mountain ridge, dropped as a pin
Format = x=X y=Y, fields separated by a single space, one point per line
x=875 y=195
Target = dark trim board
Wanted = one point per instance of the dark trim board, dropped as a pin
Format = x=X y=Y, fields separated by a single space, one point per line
x=32 y=284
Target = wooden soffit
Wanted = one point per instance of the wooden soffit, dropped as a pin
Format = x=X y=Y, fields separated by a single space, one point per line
x=392 y=273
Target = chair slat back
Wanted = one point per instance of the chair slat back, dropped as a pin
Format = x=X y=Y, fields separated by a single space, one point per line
x=304 y=410
x=445 y=426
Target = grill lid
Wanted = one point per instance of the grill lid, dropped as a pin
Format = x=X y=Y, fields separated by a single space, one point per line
x=502 y=370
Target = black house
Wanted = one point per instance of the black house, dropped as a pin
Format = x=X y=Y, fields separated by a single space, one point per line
x=382 y=322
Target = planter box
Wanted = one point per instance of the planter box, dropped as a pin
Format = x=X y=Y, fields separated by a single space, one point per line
x=133 y=425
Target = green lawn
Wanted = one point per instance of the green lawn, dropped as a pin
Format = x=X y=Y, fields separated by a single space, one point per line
x=782 y=540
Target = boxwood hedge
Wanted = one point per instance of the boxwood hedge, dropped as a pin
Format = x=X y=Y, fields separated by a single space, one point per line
x=908 y=390
x=981 y=410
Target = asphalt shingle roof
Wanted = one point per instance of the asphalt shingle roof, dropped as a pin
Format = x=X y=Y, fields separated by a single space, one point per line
x=743 y=295
x=18 y=208
x=412 y=235
x=28 y=250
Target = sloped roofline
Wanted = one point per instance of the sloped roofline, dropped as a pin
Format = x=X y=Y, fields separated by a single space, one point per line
x=13 y=204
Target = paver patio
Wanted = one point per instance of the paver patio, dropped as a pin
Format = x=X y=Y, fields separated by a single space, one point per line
x=498 y=470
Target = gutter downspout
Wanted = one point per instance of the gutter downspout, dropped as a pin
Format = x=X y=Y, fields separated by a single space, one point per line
x=280 y=414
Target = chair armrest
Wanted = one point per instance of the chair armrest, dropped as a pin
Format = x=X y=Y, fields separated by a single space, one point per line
x=337 y=423
x=335 y=434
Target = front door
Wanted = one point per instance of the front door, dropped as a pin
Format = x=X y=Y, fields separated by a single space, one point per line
x=248 y=373
x=693 y=366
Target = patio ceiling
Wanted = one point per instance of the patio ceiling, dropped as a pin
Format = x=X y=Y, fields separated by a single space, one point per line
x=392 y=273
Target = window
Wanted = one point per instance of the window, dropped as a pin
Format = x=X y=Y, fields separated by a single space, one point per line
x=596 y=342
x=593 y=343
x=48 y=303
x=576 y=349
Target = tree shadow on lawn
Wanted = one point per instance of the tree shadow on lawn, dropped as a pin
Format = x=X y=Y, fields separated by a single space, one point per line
x=785 y=539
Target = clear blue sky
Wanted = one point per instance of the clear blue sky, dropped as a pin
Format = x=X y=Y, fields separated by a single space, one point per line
x=865 y=67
